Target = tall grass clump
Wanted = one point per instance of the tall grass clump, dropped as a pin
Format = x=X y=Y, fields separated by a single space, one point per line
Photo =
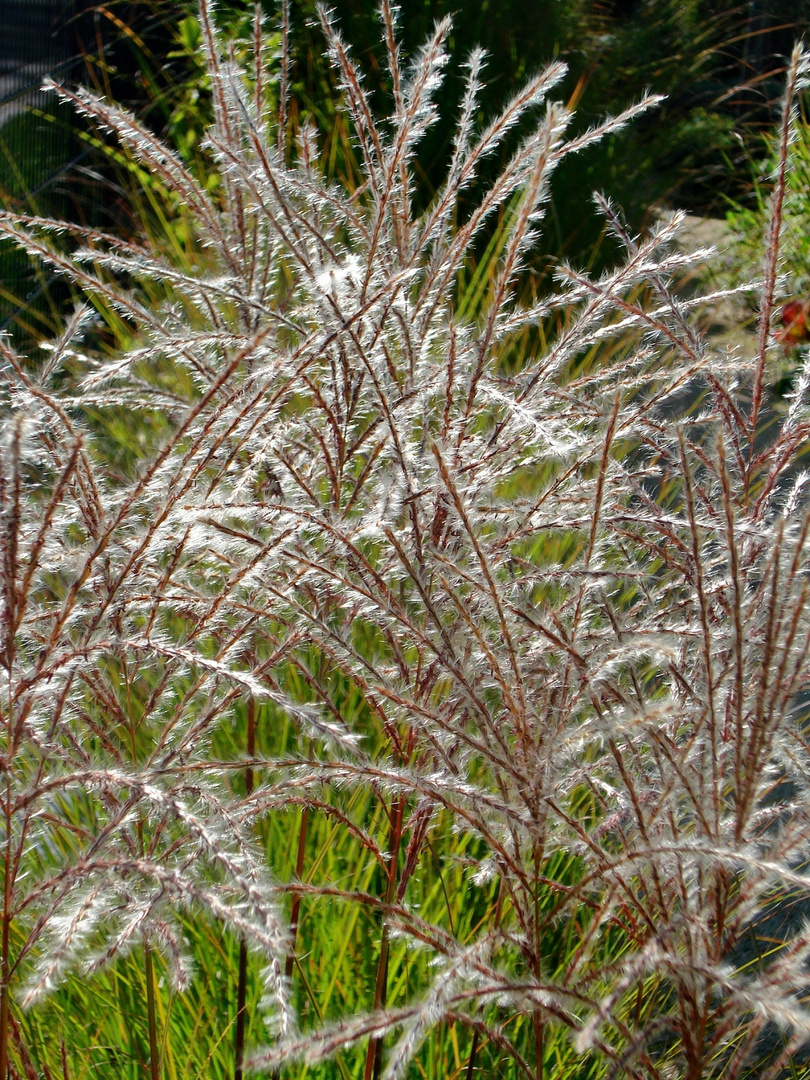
x=524 y=588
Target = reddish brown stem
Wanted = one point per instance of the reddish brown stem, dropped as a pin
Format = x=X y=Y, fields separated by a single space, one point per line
x=373 y=1068
x=4 y=968
x=470 y=1071
x=149 y=974
x=241 y=983
x=295 y=909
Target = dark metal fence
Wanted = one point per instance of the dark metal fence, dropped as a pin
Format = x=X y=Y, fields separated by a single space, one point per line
x=33 y=34
x=37 y=38
x=37 y=143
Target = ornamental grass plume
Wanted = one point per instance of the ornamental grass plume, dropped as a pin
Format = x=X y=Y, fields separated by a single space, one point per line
x=545 y=594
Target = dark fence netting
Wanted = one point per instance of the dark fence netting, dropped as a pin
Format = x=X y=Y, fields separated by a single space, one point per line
x=39 y=145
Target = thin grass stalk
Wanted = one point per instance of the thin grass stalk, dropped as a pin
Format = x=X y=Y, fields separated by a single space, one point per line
x=284 y=80
x=241 y=1011
x=469 y=1072
x=373 y=1068
x=241 y=986
x=5 y=965
x=151 y=1010
x=148 y=964
x=10 y=619
x=539 y=1027
x=295 y=906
